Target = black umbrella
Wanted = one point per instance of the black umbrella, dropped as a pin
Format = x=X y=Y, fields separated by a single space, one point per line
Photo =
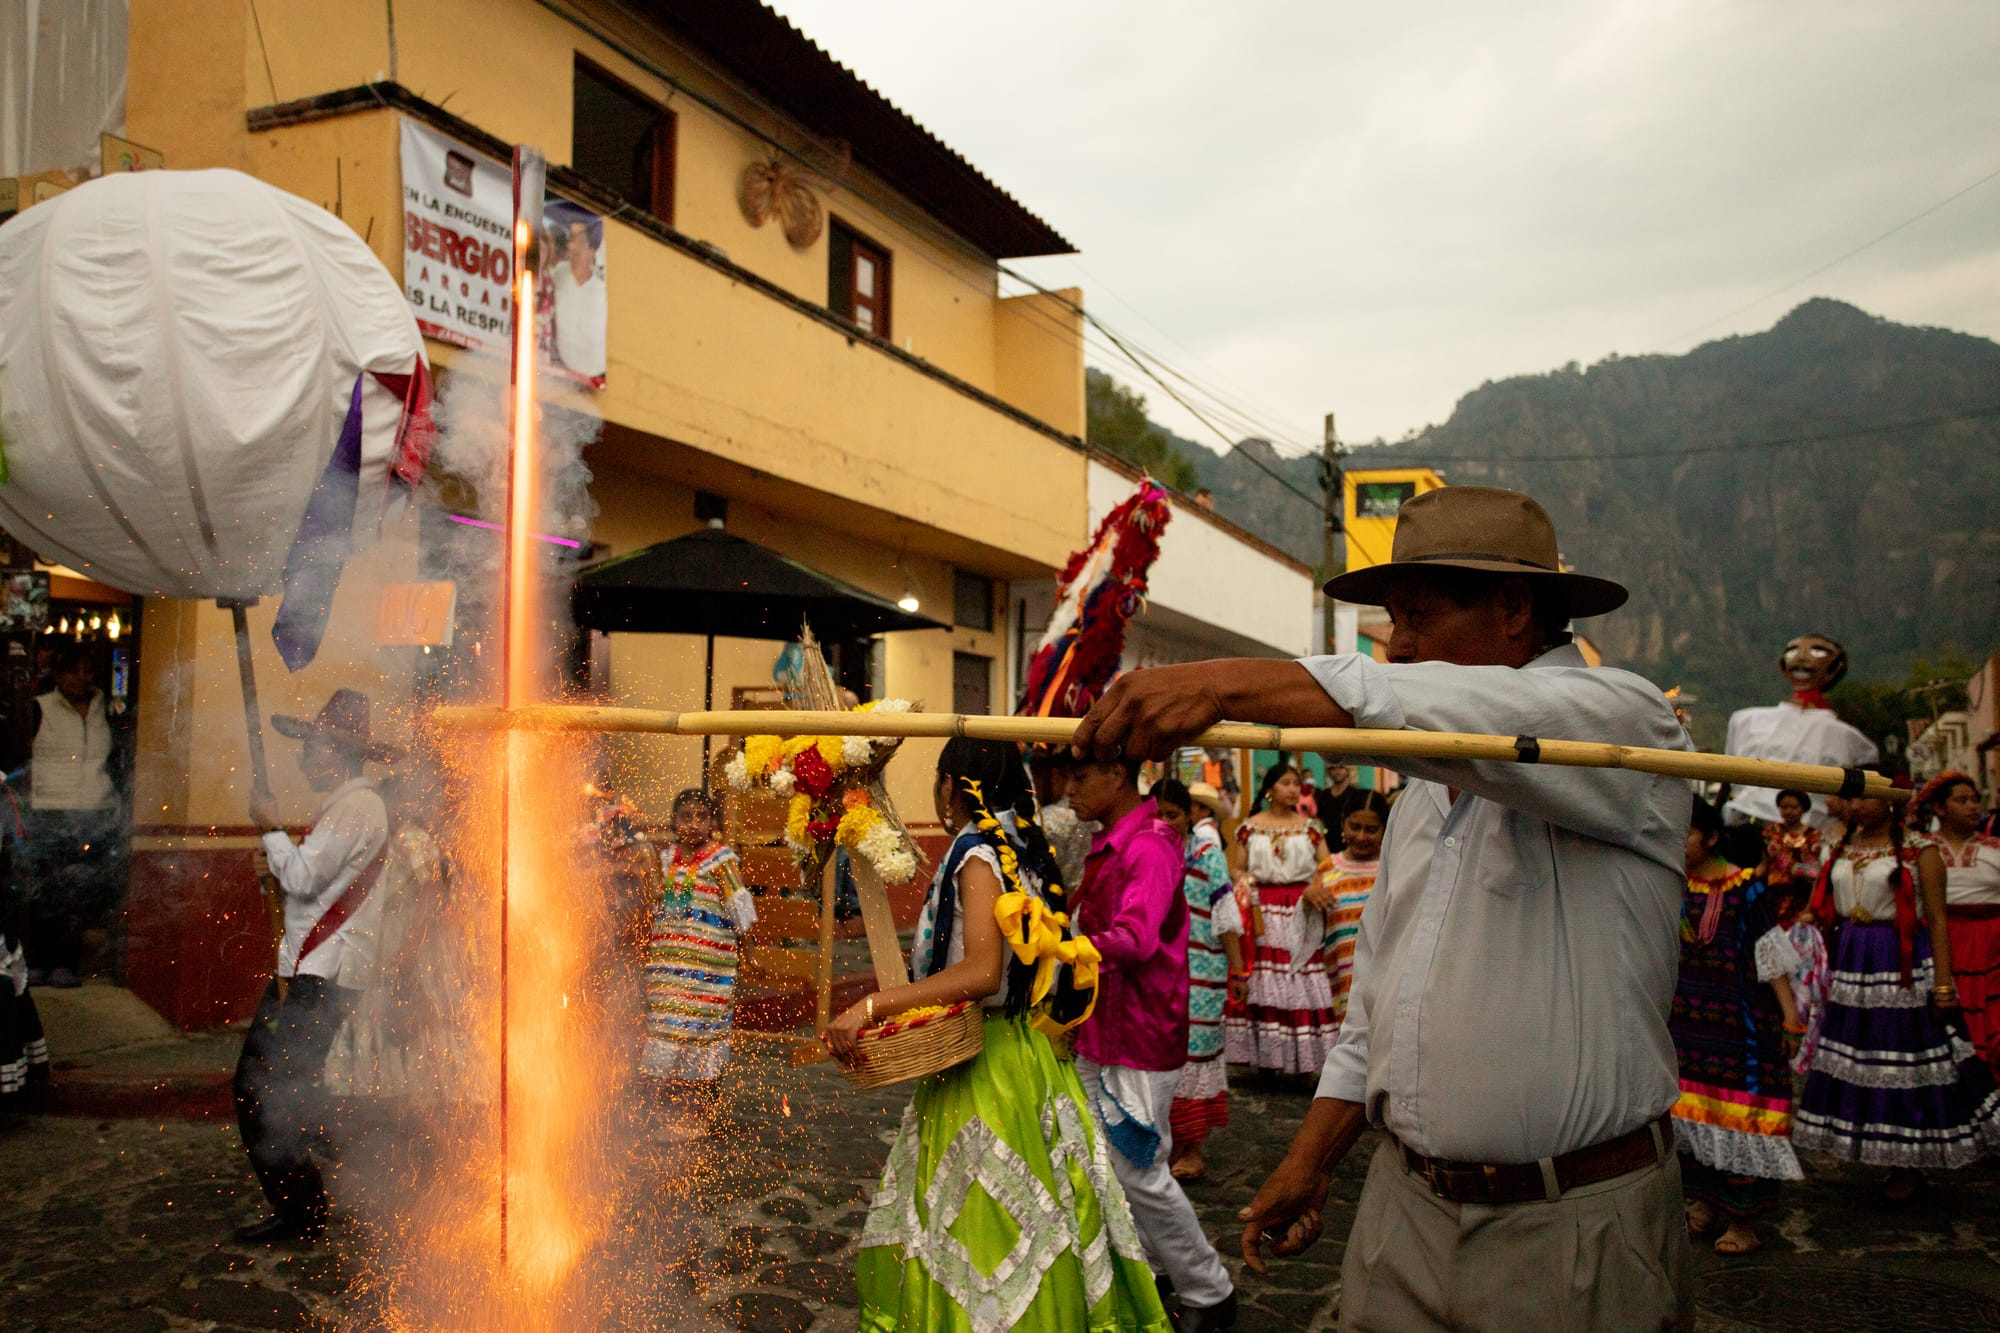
x=713 y=582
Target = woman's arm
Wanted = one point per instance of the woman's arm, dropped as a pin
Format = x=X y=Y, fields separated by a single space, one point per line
x=975 y=977
x=1930 y=882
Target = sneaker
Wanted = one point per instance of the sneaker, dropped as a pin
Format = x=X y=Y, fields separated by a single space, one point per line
x=64 y=979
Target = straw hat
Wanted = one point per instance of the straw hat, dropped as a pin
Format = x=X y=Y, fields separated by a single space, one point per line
x=342 y=722
x=1482 y=528
x=1203 y=794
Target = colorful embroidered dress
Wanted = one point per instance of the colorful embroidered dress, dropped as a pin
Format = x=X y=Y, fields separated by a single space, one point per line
x=1288 y=1025
x=1890 y=1085
x=691 y=965
x=1972 y=911
x=1201 y=1098
x=1734 y=1117
x=1350 y=882
x=998 y=1208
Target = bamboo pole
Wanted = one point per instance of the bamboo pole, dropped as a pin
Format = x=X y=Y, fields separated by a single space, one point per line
x=1351 y=742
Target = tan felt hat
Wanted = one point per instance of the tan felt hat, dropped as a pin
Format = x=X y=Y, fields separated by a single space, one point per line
x=1482 y=528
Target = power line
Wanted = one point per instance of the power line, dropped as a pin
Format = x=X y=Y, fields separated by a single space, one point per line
x=1831 y=263
x=1234 y=446
x=1781 y=442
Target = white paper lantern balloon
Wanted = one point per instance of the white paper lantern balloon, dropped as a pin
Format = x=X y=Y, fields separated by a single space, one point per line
x=180 y=354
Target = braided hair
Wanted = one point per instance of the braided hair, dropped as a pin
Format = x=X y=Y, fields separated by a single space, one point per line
x=1001 y=774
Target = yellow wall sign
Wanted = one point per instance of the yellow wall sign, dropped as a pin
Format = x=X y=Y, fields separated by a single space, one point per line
x=417 y=615
x=1373 y=495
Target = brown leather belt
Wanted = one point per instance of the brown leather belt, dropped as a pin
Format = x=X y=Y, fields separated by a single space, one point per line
x=1548 y=1179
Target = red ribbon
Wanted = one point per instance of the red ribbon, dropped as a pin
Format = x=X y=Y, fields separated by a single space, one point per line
x=1810 y=699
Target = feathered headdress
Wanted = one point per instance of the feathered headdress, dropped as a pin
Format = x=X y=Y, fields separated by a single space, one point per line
x=1102 y=587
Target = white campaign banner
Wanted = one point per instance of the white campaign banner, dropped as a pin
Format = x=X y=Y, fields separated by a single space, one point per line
x=458 y=258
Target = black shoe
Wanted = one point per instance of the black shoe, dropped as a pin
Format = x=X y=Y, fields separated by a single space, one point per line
x=278 y=1230
x=1209 y=1318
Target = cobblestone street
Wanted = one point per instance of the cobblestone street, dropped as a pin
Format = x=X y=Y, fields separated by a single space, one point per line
x=122 y=1226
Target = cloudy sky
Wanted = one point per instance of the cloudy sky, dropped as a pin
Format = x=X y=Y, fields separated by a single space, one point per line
x=1309 y=205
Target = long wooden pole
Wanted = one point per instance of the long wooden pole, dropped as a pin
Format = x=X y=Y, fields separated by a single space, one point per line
x=1353 y=742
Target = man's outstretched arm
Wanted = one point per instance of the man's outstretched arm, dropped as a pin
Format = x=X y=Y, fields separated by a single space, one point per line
x=1146 y=714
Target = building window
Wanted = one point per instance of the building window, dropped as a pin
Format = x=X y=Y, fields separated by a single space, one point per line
x=858 y=280
x=971 y=601
x=971 y=683
x=622 y=141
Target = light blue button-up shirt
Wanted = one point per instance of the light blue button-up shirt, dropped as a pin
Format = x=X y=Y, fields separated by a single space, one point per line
x=1516 y=961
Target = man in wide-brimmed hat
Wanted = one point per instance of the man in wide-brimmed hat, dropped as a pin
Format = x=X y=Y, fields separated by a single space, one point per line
x=1516 y=963
x=325 y=883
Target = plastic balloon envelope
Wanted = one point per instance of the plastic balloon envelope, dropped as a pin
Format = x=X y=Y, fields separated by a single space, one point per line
x=208 y=388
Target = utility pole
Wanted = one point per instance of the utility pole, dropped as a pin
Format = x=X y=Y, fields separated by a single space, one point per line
x=1334 y=505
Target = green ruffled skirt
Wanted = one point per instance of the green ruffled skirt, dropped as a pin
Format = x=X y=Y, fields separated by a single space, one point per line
x=998 y=1208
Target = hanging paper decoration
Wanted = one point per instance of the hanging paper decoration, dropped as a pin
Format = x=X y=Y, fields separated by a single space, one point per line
x=1102 y=587
x=208 y=388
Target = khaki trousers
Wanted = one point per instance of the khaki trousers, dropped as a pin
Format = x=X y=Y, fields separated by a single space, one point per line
x=1610 y=1256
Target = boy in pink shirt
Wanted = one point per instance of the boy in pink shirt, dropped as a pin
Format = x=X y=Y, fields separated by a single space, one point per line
x=1129 y=1054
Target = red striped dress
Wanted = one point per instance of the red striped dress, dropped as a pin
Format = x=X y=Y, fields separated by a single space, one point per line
x=1288 y=1025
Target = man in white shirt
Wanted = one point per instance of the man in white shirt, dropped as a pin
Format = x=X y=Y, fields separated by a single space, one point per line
x=325 y=883
x=75 y=847
x=1516 y=962
x=581 y=305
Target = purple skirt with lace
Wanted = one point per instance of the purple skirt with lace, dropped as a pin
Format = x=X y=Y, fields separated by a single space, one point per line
x=1891 y=1084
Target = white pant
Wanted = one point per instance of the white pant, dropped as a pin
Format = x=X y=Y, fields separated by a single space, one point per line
x=1172 y=1234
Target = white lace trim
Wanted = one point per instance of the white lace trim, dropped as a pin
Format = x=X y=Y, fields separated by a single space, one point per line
x=1047 y=1222
x=1932 y=1067
x=1202 y=1079
x=1775 y=955
x=1731 y=1151
x=1882 y=990
x=1898 y=1145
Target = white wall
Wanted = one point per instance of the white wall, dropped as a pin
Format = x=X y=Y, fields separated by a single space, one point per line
x=1243 y=599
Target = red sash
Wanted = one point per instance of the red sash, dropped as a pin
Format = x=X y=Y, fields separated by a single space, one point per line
x=345 y=906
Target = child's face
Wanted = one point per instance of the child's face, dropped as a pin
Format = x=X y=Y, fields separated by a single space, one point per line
x=1362 y=832
x=1175 y=815
x=1961 y=808
x=1868 y=812
x=1790 y=810
x=1700 y=846
x=692 y=825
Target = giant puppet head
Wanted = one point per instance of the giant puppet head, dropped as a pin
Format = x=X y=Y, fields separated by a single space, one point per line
x=208 y=388
x=1813 y=664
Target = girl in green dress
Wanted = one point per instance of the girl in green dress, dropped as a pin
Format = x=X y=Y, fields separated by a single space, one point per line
x=998 y=1208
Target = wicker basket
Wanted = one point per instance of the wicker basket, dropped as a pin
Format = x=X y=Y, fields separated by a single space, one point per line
x=894 y=1051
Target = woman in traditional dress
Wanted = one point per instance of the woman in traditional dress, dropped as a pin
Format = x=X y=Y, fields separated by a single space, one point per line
x=1893 y=1083
x=998 y=1208
x=1971 y=902
x=1732 y=1012
x=1215 y=954
x=1287 y=1024
x=691 y=962
x=1340 y=891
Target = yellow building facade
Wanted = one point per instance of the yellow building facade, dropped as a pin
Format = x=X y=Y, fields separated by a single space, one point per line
x=931 y=449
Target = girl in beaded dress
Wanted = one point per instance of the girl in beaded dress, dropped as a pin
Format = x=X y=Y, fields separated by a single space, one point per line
x=1731 y=1015
x=1893 y=1083
x=1215 y=955
x=1971 y=901
x=1287 y=1024
x=691 y=961
x=998 y=1208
